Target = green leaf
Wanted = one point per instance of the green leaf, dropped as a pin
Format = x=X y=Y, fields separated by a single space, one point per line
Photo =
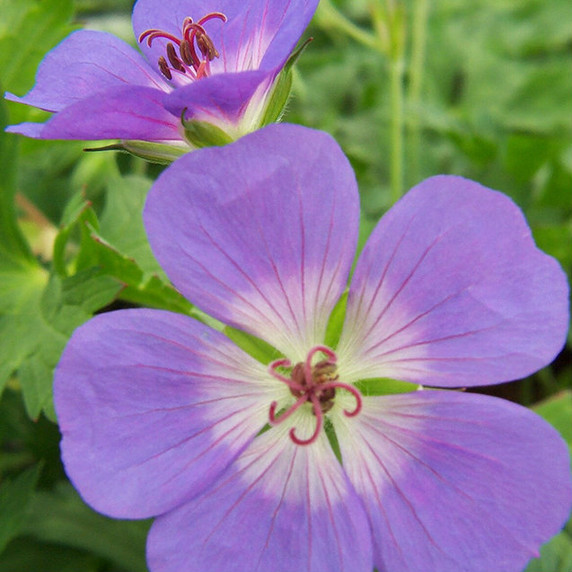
x=35 y=330
x=136 y=286
x=557 y=410
x=555 y=555
x=29 y=555
x=121 y=223
x=15 y=495
x=14 y=250
x=78 y=212
x=62 y=518
x=28 y=29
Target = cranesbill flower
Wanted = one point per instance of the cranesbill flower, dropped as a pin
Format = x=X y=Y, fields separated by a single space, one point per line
x=209 y=73
x=164 y=415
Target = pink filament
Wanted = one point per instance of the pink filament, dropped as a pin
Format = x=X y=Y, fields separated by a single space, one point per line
x=309 y=392
x=199 y=67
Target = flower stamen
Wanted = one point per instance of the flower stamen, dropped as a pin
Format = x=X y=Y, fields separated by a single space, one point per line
x=187 y=61
x=314 y=383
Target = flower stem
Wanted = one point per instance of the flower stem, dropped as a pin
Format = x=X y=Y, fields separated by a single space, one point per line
x=389 y=22
x=396 y=71
x=419 y=41
x=330 y=18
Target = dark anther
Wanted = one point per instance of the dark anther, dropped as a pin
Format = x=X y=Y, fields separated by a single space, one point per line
x=174 y=59
x=186 y=60
x=164 y=67
x=206 y=46
x=186 y=53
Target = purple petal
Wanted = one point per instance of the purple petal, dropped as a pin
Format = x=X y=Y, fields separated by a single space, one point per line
x=153 y=406
x=257 y=34
x=264 y=245
x=84 y=64
x=221 y=99
x=451 y=290
x=121 y=113
x=455 y=481
x=282 y=507
x=264 y=34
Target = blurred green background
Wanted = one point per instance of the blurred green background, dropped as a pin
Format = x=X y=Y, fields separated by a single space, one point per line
x=481 y=89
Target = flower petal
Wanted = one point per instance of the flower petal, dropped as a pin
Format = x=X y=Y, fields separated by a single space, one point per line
x=265 y=246
x=451 y=291
x=264 y=34
x=222 y=100
x=282 y=507
x=153 y=406
x=257 y=33
x=129 y=112
x=456 y=482
x=84 y=64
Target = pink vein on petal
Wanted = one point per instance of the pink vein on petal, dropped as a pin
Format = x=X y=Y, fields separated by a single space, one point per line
x=413 y=321
x=259 y=477
x=401 y=287
x=330 y=513
x=277 y=509
x=403 y=496
x=226 y=286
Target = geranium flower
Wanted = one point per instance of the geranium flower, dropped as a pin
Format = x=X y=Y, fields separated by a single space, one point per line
x=164 y=415
x=209 y=75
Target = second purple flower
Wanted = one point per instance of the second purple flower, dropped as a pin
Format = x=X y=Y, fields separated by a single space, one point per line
x=209 y=75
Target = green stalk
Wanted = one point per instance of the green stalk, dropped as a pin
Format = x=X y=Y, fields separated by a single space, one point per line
x=419 y=42
x=329 y=17
x=389 y=23
x=396 y=72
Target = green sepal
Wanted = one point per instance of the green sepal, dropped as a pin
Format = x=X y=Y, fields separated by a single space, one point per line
x=385 y=386
x=336 y=321
x=280 y=93
x=278 y=98
x=203 y=134
x=153 y=152
x=253 y=346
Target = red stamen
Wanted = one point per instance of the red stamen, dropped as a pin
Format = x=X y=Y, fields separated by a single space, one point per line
x=315 y=383
x=272 y=413
x=318 y=428
x=152 y=34
x=187 y=61
x=210 y=16
x=352 y=390
x=202 y=71
x=287 y=380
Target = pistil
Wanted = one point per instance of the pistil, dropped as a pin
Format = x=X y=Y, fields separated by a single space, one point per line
x=315 y=384
x=181 y=53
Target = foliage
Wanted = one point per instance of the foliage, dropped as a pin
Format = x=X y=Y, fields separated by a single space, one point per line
x=490 y=101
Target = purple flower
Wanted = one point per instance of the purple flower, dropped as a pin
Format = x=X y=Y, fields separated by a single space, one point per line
x=163 y=415
x=208 y=76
